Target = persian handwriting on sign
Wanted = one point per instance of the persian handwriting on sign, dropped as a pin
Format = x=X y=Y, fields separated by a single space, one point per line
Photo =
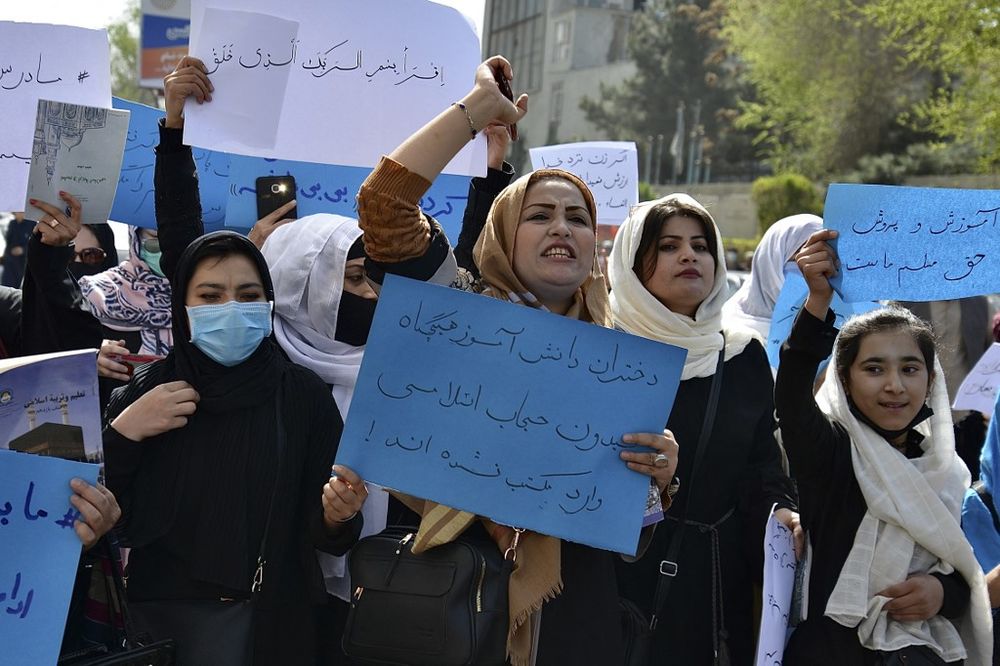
x=28 y=77
x=134 y=197
x=441 y=364
x=43 y=61
x=392 y=59
x=913 y=243
x=327 y=188
x=326 y=62
x=24 y=507
x=779 y=579
x=18 y=604
x=610 y=169
x=608 y=368
x=979 y=388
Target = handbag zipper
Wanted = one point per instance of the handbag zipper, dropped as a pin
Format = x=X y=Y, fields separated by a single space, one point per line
x=479 y=585
x=358 y=591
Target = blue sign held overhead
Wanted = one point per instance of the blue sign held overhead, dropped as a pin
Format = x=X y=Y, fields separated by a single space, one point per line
x=134 y=199
x=790 y=301
x=39 y=552
x=508 y=412
x=914 y=243
x=328 y=188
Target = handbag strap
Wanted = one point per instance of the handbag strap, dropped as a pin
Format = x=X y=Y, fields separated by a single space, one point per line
x=668 y=566
x=258 y=576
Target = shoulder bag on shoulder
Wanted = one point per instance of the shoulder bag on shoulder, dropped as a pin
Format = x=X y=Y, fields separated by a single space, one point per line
x=214 y=631
x=637 y=629
x=446 y=606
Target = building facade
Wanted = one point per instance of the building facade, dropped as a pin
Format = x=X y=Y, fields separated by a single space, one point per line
x=561 y=51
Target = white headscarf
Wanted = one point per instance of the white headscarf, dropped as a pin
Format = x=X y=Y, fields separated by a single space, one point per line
x=911 y=526
x=753 y=305
x=637 y=311
x=307 y=259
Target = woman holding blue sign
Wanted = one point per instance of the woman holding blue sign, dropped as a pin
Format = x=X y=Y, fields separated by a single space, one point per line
x=220 y=453
x=538 y=249
x=668 y=283
x=893 y=579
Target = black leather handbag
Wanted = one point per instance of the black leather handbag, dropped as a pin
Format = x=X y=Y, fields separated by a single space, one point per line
x=637 y=629
x=446 y=606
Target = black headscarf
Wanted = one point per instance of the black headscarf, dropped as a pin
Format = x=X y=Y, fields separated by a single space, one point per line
x=106 y=241
x=205 y=488
x=222 y=388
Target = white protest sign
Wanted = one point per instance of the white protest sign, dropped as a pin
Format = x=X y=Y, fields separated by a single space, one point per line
x=77 y=149
x=610 y=169
x=41 y=61
x=779 y=580
x=979 y=388
x=358 y=78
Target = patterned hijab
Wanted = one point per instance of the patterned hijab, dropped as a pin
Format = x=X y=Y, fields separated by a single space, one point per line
x=130 y=297
x=536 y=577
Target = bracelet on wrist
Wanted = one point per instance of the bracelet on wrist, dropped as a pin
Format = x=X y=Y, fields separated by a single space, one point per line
x=468 y=116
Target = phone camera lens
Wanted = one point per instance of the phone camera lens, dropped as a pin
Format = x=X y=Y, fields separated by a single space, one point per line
x=276 y=188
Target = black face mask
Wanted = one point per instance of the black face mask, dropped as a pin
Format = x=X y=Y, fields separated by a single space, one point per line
x=354 y=319
x=78 y=269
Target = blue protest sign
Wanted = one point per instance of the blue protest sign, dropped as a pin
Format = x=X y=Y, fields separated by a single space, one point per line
x=914 y=244
x=39 y=552
x=790 y=301
x=134 y=202
x=329 y=188
x=508 y=412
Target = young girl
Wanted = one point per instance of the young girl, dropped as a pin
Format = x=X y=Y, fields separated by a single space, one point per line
x=893 y=579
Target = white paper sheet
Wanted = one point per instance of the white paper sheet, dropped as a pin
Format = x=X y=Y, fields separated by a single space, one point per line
x=77 y=149
x=361 y=77
x=41 y=61
x=779 y=579
x=610 y=169
x=979 y=389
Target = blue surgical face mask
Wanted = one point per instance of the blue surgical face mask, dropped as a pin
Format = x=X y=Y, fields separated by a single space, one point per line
x=229 y=333
x=152 y=260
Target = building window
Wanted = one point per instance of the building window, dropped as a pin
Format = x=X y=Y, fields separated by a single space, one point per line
x=618 y=49
x=563 y=40
x=557 y=102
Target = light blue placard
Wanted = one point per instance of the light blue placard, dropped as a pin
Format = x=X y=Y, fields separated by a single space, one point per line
x=329 y=188
x=914 y=243
x=508 y=412
x=39 y=552
x=790 y=301
x=134 y=198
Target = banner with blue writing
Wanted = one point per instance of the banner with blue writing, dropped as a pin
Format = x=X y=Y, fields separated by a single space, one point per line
x=914 y=243
x=329 y=188
x=508 y=412
x=39 y=552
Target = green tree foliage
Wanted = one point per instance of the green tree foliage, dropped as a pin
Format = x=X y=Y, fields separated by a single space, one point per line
x=961 y=38
x=833 y=85
x=783 y=195
x=123 y=35
x=679 y=56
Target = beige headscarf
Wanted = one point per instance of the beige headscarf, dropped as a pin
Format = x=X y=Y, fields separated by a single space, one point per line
x=536 y=577
x=639 y=312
